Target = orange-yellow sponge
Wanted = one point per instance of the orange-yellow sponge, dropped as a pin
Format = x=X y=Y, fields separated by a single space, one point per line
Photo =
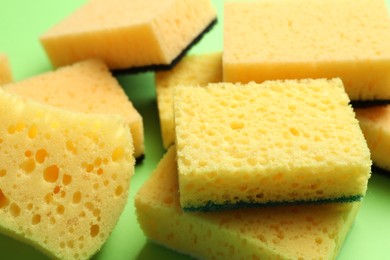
x=129 y=34
x=86 y=87
x=64 y=176
x=5 y=70
x=375 y=124
x=288 y=232
x=193 y=70
x=294 y=39
x=271 y=143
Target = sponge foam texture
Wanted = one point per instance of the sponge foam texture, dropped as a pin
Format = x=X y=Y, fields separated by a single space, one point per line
x=193 y=70
x=87 y=87
x=289 y=232
x=64 y=176
x=375 y=124
x=276 y=142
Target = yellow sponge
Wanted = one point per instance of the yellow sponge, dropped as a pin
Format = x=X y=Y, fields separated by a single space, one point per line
x=192 y=70
x=5 y=70
x=271 y=143
x=87 y=87
x=289 y=39
x=128 y=34
x=375 y=124
x=64 y=176
x=288 y=232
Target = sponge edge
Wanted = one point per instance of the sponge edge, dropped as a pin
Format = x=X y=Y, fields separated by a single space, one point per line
x=5 y=70
x=193 y=70
x=375 y=125
x=288 y=232
x=64 y=176
x=88 y=87
x=136 y=34
x=174 y=62
x=264 y=144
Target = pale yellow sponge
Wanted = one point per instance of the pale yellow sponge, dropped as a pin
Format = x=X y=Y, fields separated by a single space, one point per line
x=87 y=87
x=288 y=232
x=64 y=176
x=295 y=39
x=272 y=143
x=375 y=124
x=5 y=70
x=129 y=34
x=193 y=70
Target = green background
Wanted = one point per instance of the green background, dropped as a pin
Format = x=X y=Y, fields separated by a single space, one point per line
x=22 y=22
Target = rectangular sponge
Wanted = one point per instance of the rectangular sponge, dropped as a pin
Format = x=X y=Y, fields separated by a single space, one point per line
x=272 y=143
x=127 y=34
x=5 y=70
x=375 y=125
x=288 y=232
x=198 y=70
x=295 y=39
x=87 y=87
x=64 y=176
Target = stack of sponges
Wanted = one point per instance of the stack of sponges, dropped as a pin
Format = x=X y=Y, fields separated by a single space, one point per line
x=244 y=145
x=284 y=232
x=69 y=138
x=279 y=142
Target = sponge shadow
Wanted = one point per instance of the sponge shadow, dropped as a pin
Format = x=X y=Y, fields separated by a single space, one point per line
x=152 y=250
x=13 y=249
x=377 y=170
x=140 y=88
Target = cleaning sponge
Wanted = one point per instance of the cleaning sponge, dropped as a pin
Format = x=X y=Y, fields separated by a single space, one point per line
x=288 y=232
x=64 y=176
x=86 y=87
x=271 y=143
x=375 y=125
x=129 y=34
x=287 y=39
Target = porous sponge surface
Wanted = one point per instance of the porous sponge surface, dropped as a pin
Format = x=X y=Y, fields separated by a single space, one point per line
x=288 y=232
x=5 y=70
x=86 y=87
x=193 y=70
x=276 y=142
x=375 y=124
x=293 y=43
x=64 y=176
x=128 y=33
